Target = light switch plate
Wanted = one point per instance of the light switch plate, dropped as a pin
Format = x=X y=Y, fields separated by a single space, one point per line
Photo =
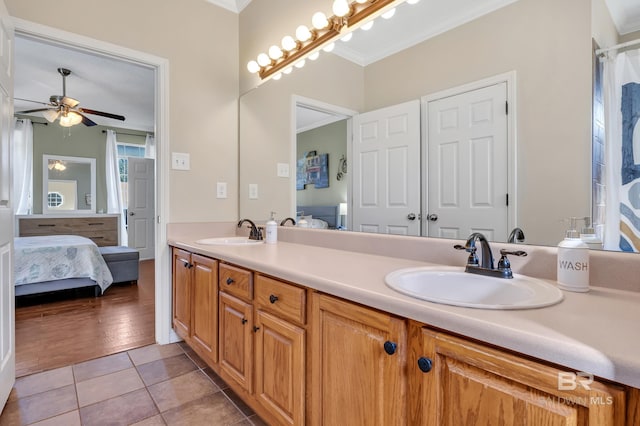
x=283 y=170
x=253 y=191
x=221 y=190
x=180 y=161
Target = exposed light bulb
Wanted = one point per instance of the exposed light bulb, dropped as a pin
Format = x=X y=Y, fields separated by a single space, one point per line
x=361 y=1
x=263 y=60
x=319 y=21
x=277 y=76
x=412 y=1
x=340 y=8
x=367 y=26
x=287 y=70
x=347 y=37
x=389 y=13
x=329 y=47
x=314 y=55
x=300 y=63
x=253 y=67
x=302 y=33
x=275 y=52
x=288 y=43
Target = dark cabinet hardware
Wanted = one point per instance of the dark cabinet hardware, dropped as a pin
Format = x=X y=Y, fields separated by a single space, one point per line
x=255 y=329
x=273 y=298
x=390 y=347
x=244 y=320
x=230 y=281
x=425 y=364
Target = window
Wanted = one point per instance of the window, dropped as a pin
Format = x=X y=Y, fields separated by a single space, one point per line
x=127 y=150
x=54 y=199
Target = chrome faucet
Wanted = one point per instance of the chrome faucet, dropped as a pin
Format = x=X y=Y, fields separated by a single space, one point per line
x=256 y=233
x=474 y=266
x=516 y=236
x=284 y=221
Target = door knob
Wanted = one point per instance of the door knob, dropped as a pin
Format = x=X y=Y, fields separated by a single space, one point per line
x=432 y=217
x=411 y=216
x=132 y=214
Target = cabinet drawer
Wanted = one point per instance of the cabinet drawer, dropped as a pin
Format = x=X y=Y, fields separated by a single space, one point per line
x=236 y=281
x=284 y=300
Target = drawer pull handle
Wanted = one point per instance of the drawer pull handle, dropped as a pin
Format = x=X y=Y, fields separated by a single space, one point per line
x=244 y=320
x=96 y=223
x=255 y=328
x=390 y=347
x=42 y=225
x=425 y=364
x=230 y=281
x=273 y=299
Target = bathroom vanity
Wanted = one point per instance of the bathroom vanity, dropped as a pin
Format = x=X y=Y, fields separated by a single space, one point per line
x=307 y=334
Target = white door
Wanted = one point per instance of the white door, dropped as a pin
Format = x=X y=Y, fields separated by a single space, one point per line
x=140 y=205
x=468 y=164
x=386 y=170
x=7 y=302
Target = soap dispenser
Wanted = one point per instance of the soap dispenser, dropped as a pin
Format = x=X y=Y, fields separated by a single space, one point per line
x=271 y=230
x=589 y=236
x=573 y=261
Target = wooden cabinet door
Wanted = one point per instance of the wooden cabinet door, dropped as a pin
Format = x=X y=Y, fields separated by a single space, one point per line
x=354 y=380
x=182 y=293
x=204 y=308
x=473 y=384
x=236 y=341
x=280 y=368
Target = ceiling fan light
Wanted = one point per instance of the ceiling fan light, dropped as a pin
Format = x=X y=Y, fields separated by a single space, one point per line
x=75 y=118
x=50 y=115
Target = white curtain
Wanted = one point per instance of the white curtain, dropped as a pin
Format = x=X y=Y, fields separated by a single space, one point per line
x=622 y=228
x=22 y=160
x=150 y=147
x=115 y=202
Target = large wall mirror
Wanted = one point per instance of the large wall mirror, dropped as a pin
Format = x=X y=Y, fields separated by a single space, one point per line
x=69 y=185
x=548 y=48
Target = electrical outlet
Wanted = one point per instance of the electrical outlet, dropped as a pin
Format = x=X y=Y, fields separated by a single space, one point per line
x=180 y=161
x=253 y=191
x=283 y=170
x=221 y=190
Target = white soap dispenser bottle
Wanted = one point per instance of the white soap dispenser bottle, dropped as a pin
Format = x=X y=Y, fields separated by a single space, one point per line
x=573 y=261
x=589 y=236
x=271 y=230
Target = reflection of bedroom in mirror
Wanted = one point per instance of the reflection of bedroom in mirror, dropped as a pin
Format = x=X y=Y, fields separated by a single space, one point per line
x=70 y=184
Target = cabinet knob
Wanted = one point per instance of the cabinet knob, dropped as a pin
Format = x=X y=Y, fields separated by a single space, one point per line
x=255 y=328
x=273 y=298
x=230 y=281
x=244 y=320
x=186 y=264
x=425 y=364
x=390 y=347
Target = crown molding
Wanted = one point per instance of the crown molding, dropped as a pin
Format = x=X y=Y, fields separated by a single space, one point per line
x=235 y=6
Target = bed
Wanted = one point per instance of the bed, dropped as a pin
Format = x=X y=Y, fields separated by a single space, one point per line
x=320 y=214
x=58 y=262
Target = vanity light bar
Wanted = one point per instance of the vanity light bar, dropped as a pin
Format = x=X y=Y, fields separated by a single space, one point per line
x=360 y=12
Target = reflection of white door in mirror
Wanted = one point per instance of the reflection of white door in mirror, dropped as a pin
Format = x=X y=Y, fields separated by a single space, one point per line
x=73 y=179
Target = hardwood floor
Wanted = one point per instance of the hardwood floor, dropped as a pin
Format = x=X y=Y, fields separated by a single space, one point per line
x=80 y=327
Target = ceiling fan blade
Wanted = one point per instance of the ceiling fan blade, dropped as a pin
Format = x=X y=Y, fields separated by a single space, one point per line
x=70 y=102
x=103 y=114
x=29 y=111
x=29 y=100
x=87 y=121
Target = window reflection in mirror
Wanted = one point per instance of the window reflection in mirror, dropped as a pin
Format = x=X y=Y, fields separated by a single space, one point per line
x=70 y=184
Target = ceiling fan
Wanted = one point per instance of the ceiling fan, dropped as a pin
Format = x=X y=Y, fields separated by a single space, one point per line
x=67 y=108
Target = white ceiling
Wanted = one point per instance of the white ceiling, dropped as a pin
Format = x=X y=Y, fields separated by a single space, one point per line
x=124 y=88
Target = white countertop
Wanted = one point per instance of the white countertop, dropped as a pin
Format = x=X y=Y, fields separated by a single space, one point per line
x=595 y=332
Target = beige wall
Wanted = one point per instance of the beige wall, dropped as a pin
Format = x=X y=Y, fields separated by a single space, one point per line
x=200 y=42
x=547 y=43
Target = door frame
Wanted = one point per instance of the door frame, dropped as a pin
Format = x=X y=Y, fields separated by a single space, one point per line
x=512 y=164
x=163 y=331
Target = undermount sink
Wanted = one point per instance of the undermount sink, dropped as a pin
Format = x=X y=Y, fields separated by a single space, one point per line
x=453 y=286
x=229 y=241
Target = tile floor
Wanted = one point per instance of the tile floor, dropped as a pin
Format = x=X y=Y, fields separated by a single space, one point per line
x=153 y=385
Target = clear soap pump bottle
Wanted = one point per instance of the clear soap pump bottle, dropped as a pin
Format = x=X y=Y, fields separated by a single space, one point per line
x=573 y=261
x=271 y=230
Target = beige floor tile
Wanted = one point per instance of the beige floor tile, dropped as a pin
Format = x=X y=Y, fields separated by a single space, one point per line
x=39 y=407
x=156 y=420
x=71 y=418
x=244 y=408
x=121 y=410
x=108 y=386
x=194 y=356
x=166 y=368
x=101 y=366
x=257 y=421
x=182 y=389
x=41 y=382
x=154 y=352
x=211 y=410
x=215 y=378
